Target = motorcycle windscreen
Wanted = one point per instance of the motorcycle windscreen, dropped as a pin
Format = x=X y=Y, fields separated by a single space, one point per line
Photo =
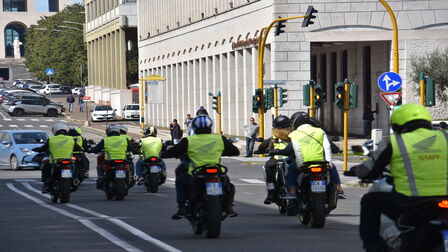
x=66 y=173
x=120 y=173
x=214 y=188
x=318 y=186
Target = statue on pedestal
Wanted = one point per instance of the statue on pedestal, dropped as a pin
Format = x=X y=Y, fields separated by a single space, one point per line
x=16 y=45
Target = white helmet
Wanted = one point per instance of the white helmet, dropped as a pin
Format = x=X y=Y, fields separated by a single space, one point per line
x=59 y=127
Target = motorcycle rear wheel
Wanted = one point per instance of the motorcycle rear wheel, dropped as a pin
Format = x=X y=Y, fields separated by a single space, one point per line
x=213 y=217
x=64 y=188
x=153 y=182
x=318 y=212
x=120 y=189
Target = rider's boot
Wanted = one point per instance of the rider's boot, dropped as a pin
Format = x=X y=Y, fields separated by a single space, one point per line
x=270 y=198
x=228 y=205
x=45 y=187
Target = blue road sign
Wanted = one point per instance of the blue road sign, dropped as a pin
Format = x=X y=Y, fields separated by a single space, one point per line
x=389 y=82
x=49 y=71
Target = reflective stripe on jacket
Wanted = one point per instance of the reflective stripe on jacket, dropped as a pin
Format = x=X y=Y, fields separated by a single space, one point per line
x=115 y=147
x=60 y=147
x=419 y=162
x=151 y=147
x=204 y=149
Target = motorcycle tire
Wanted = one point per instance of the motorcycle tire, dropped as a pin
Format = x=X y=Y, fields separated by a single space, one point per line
x=318 y=212
x=304 y=218
x=213 y=217
x=153 y=183
x=65 y=188
x=282 y=209
x=120 y=189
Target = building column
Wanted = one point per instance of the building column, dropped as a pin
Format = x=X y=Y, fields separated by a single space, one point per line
x=121 y=50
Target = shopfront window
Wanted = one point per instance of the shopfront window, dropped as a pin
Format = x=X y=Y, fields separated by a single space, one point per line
x=14 y=5
x=12 y=32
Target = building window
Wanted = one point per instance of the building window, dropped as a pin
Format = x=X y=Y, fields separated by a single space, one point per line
x=4 y=74
x=13 y=31
x=14 y=5
x=47 y=5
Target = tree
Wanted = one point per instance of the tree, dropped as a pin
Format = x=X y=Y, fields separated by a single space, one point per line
x=433 y=64
x=48 y=45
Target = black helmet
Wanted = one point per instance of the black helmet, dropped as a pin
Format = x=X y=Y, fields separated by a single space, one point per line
x=201 y=111
x=281 y=122
x=300 y=118
x=113 y=130
x=150 y=131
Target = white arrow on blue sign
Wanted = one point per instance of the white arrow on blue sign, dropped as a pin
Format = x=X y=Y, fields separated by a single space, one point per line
x=389 y=82
x=49 y=71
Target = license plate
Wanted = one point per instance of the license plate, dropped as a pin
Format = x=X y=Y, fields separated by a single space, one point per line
x=214 y=188
x=445 y=239
x=318 y=186
x=66 y=173
x=154 y=169
x=120 y=173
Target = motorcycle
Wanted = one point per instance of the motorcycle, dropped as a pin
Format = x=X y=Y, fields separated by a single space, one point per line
x=153 y=174
x=116 y=180
x=316 y=195
x=206 y=207
x=422 y=226
x=280 y=186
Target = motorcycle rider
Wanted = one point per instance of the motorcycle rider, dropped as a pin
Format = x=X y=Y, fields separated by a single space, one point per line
x=281 y=128
x=129 y=157
x=202 y=148
x=150 y=146
x=308 y=144
x=417 y=156
x=115 y=147
x=58 y=146
x=76 y=133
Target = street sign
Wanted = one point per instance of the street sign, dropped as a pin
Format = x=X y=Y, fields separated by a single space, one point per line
x=49 y=71
x=389 y=82
x=391 y=99
x=274 y=82
x=151 y=82
x=86 y=98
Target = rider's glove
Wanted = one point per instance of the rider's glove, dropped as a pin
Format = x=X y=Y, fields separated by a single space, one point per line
x=350 y=173
x=274 y=152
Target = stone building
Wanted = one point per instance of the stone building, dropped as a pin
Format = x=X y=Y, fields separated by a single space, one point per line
x=203 y=46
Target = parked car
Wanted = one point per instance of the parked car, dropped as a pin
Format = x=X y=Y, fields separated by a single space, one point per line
x=11 y=93
x=35 y=87
x=16 y=145
x=50 y=89
x=102 y=113
x=77 y=91
x=131 y=112
x=28 y=84
x=41 y=106
x=66 y=90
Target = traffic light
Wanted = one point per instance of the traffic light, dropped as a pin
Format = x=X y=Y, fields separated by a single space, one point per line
x=430 y=92
x=216 y=102
x=269 y=101
x=279 y=27
x=309 y=16
x=257 y=100
x=318 y=96
x=306 y=95
x=339 y=95
x=353 y=100
x=282 y=96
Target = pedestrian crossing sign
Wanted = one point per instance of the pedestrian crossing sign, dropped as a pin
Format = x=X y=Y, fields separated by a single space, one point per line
x=49 y=71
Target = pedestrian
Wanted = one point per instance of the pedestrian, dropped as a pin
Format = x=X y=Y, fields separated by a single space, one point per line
x=81 y=103
x=70 y=101
x=367 y=117
x=251 y=130
x=176 y=132
x=442 y=125
x=187 y=124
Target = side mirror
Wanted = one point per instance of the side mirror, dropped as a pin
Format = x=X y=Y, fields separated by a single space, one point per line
x=234 y=139
x=115 y=110
x=168 y=143
x=90 y=141
x=6 y=143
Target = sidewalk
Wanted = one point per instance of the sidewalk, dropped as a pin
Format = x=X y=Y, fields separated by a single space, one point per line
x=134 y=130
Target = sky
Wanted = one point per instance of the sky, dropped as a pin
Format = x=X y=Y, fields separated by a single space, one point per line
x=42 y=5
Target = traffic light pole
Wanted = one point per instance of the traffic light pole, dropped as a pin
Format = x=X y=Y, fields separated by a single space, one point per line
x=312 y=111
x=422 y=88
x=275 y=101
x=219 y=114
x=346 y=108
x=395 y=39
x=261 y=45
x=142 y=103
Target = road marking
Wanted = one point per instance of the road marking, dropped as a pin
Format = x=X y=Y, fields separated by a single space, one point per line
x=171 y=179
x=8 y=119
x=4 y=117
x=34 y=120
x=28 y=126
x=21 y=119
x=43 y=126
x=253 y=181
x=63 y=121
x=1 y=126
x=25 y=180
x=49 y=120
x=116 y=221
x=126 y=246
x=13 y=126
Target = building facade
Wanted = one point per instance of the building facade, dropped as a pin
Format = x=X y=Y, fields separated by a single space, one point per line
x=111 y=36
x=204 y=46
x=16 y=17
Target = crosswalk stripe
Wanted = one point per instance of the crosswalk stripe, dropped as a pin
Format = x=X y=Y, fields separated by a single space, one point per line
x=1 y=126
x=20 y=119
x=43 y=126
x=7 y=119
x=49 y=120
x=28 y=126
x=63 y=121
x=35 y=120
x=13 y=126
x=253 y=181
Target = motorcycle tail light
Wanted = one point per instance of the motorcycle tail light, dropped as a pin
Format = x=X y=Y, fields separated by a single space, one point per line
x=153 y=159
x=118 y=161
x=65 y=162
x=213 y=180
x=73 y=158
x=316 y=169
x=443 y=204
x=212 y=170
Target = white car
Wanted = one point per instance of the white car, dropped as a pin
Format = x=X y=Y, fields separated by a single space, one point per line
x=77 y=91
x=131 y=112
x=50 y=89
x=103 y=113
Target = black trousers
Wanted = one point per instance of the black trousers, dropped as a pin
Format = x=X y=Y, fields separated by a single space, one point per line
x=270 y=168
